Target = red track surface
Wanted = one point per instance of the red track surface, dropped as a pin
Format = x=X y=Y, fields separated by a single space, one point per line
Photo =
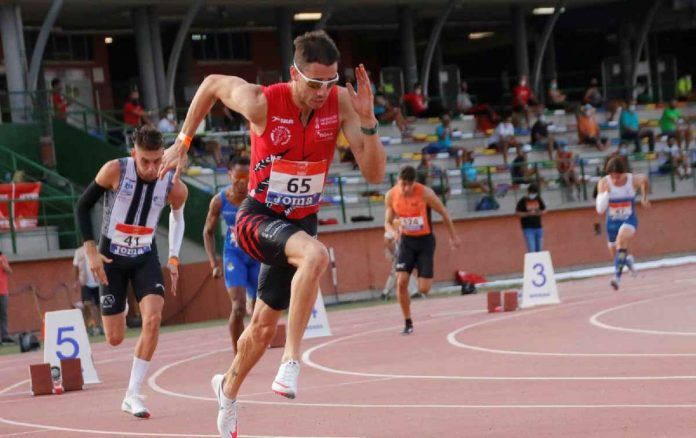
x=602 y=364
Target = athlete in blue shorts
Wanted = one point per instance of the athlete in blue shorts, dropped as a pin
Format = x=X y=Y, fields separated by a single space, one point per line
x=616 y=194
x=241 y=271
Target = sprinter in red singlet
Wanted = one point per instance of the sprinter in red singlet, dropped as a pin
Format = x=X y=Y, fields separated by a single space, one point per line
x=294 y=127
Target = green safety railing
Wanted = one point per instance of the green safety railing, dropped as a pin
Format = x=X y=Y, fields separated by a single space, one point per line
x=38 y=107
x=56 y=201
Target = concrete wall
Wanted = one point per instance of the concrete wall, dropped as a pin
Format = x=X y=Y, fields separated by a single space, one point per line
x=491 y=246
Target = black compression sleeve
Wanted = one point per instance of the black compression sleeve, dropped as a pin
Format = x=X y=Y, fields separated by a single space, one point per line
x=90 y=197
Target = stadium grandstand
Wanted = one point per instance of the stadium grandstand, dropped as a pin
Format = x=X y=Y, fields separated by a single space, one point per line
x=485 y=98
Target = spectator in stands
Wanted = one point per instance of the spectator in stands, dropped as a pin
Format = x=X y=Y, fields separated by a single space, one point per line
x=88 y=288
x=684 y=87
x=503 y=138
x=520 y=171
x=530 y=209
x=200 y=147
x=671 y=158
x=595 y=98
x=444 y=141
x=464 y=103
x=60 y=103
x=133 y=113
x=568 y=178
x=557 y=98
x=416 y=102
x=592 y=94
x=523 y=99
x=540 y=136
x=588 y=129
x=431 y=175
x=470 y=173
x=385 y=112
x=630 y=129
x=5 y=270
x=673 y=124
x=168 y=122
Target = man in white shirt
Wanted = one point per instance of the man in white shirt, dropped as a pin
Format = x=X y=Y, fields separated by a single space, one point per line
x=168 y=121
x=503 y=138
x=88 y=287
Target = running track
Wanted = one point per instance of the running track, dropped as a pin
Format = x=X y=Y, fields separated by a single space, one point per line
x=601 y=364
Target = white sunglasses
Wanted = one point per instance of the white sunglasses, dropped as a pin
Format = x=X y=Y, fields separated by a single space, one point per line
x=316 y=84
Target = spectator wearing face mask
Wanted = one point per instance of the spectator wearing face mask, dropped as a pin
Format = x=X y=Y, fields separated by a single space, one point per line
x=530 y=209
x=168 y=122
x=630 y=129
x=133 y=113
x=523 y=99
x=556 y=98
x=565 y=164
x=588 y=129
x=540 y=136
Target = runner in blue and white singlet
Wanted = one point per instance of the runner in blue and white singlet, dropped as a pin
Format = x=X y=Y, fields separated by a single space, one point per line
x=616 y=195
x=240 y=270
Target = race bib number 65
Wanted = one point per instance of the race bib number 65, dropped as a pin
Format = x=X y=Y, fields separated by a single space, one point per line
x=296 y=183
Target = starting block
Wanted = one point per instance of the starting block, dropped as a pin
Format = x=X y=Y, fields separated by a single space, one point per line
x=41 y=379
x=502 y=301
x=510 y=301
x=494 y=304
x=53 y=380
x=71 y=374
x=279 y=337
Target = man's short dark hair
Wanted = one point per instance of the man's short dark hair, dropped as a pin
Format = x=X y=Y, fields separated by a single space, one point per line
x=54 y=82
x=316 y=46
x=148 y=138
x=616 y=165
x=533 y=188
x=238 y=161
x=407 y=174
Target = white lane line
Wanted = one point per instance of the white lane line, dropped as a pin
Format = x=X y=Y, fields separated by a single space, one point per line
x=452 y=337
x=26 y=433
x=11 y=387
x=594 y=319
x=124 y=433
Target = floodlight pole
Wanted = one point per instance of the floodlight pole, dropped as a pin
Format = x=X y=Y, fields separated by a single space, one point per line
x=432 y=43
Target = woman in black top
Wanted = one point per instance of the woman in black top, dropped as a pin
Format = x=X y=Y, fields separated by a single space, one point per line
x=529 y=209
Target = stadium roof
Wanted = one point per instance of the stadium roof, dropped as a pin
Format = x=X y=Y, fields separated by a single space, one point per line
x=115 y=14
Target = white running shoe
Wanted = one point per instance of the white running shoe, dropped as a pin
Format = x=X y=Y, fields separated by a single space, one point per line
x=133 y=404
x=227 y=415
x=630 y=265
x=285 y=382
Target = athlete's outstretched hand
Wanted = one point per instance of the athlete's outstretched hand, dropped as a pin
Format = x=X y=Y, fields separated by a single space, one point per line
x=455 y=242
x=174 y=274
x=96 y=265
x=174 y=158
x=217 y=272
x=362 y=99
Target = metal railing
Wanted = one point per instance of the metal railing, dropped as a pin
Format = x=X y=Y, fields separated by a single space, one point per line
x=350 y=198
x=37 y=106
x=56 y=201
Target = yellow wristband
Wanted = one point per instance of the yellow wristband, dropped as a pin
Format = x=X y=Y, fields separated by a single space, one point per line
x=174 y=261
x=185 y=139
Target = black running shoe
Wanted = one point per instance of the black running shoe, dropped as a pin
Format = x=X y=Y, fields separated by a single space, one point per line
x=407 y=330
